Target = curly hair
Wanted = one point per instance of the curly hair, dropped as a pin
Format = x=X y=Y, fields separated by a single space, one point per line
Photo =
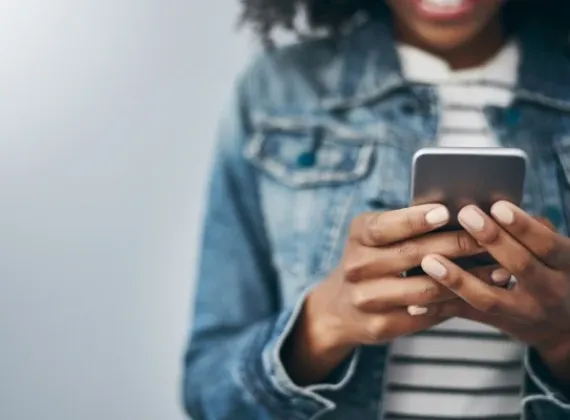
x=333 y=15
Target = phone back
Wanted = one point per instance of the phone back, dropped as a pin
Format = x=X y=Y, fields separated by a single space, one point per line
x=457 y=177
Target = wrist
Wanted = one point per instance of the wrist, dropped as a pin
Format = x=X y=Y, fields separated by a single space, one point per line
x=314 y=348
x=556 y=356
x=323 y=330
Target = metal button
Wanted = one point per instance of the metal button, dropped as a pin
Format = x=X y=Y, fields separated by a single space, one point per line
x=307 y=159
x=409 y=108
x=512 y=117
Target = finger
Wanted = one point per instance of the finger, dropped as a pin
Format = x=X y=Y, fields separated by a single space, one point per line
x=365 y=263
x=409 y=254
x=460 y=309
x=507 y=325
x=538 y=237
x=388 y=326
x=385 y=294
x=481 y=296
x=380 y=229
x=508 y=252
x=494 y=275
x=546 y=223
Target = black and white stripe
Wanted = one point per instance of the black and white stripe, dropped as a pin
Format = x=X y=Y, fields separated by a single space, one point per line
x=459 y=369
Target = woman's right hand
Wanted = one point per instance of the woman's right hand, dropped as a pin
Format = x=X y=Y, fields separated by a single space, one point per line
x=365 y=300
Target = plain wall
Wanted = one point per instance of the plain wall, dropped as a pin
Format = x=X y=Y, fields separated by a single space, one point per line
x=108 y=110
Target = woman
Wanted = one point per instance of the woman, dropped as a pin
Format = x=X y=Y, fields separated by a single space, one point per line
x=301 y=312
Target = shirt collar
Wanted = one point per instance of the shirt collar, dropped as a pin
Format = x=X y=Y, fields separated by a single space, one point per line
x=371 y=67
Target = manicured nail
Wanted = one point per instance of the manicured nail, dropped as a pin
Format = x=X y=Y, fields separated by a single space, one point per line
x=434 y=268
x=438 y=216
x=503 y=213
x=500 y=277
x=417 y=310
x=472 y=218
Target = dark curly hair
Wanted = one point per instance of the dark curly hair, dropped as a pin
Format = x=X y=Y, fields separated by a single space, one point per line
x=333 y=15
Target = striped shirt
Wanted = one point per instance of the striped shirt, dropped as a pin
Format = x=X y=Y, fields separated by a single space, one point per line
x=459 y=369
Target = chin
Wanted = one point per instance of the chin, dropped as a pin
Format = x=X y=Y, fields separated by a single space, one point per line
x=442 y=39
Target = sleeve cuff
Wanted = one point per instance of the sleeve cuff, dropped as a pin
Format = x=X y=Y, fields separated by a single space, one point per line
x=543 y=385
x=268 y=382
x=279 y=376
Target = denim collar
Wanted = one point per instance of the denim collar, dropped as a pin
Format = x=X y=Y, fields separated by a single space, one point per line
x=372 y=69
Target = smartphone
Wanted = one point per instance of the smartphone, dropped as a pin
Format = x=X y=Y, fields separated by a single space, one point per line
x=457 y=177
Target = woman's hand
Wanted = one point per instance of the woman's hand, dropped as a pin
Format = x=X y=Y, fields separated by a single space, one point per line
x=364 y=301
x=537 y=309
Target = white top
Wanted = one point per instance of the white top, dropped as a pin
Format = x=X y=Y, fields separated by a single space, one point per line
x=459 y=369
x=464 y=93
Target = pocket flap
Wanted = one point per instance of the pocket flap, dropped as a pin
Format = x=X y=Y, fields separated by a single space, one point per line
x=303 y=154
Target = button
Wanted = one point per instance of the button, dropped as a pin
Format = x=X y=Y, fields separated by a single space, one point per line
x=409 y=108
x=554 y=215
x=512 y=117
x=307 y=159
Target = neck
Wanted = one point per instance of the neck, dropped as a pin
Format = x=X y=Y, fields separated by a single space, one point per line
x=472 y=53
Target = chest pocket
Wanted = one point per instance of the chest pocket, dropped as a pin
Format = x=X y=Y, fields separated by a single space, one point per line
x=315 y=178
x=305 y=155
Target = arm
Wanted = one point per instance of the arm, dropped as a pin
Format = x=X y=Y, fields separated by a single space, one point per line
x=232 y=369
x=244 y=347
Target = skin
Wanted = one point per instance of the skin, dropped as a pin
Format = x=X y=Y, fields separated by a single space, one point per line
x=537 y=310
x=365 y=301
x=463 y=43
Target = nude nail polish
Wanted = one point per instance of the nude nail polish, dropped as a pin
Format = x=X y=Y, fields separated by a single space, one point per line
x=503 y=213
x=415 y=310
x=472 y=219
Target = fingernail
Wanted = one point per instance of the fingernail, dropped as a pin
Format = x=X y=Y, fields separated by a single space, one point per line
x=472 y=218
x=503 y=213
x=438 y=216
x=434 y=268
x=417 y=310
x=500 y=276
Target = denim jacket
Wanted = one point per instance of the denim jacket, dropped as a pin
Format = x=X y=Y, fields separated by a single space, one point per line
x=316 y=134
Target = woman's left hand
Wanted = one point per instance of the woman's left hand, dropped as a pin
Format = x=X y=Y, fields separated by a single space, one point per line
x=536 y=310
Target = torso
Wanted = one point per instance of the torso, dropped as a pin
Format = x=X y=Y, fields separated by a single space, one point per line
x=459 y=369
x=334 y=134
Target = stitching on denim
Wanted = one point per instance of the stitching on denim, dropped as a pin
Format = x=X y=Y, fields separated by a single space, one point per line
x=340 y=133
x=549 y=394
x=392 y=83
x=314 y=177
x=288 y=388
x=334 y=234
x=253 y=382
x=396 y=83
x=538 y=398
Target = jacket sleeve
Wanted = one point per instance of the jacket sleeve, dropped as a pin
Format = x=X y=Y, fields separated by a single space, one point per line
x=544 y=398
x=232 y=364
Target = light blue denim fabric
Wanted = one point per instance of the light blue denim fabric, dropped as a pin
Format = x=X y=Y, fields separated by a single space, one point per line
x=316 y=134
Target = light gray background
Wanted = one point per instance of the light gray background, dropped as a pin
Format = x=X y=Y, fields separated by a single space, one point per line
x=107 y=115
